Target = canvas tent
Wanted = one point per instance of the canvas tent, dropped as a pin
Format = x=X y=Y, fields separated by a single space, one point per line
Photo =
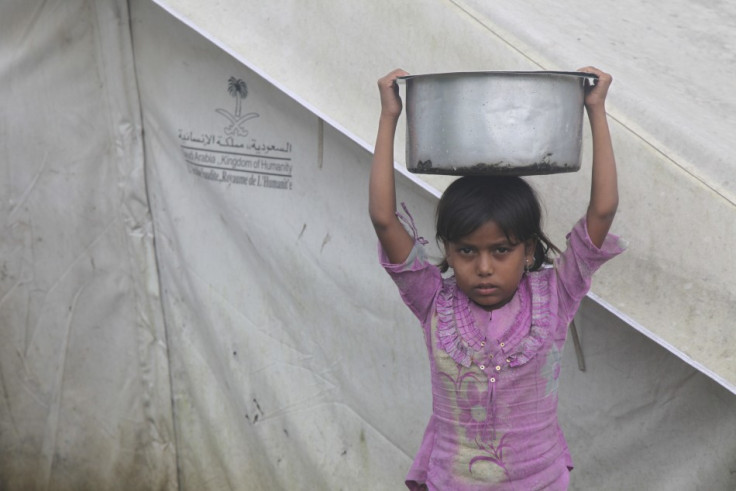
x=189 y=292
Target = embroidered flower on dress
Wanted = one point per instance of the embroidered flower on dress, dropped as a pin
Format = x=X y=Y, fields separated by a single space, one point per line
x=474 y=415
x=551 y=370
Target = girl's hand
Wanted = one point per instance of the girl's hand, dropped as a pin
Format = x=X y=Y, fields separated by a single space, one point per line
x=390 y=101
x=595 y=95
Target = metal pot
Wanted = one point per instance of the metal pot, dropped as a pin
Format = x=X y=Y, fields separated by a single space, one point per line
x=501 y=123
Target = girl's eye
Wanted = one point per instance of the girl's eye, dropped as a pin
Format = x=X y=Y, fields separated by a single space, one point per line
x=465 y=250
x=502 y=250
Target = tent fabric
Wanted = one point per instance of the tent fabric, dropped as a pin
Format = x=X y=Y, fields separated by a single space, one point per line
x=85 y=395
x=189 y=290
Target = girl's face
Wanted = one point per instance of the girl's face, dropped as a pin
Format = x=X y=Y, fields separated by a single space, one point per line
x=488 y=266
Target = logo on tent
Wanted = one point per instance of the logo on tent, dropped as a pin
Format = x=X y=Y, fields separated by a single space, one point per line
x=231 y=158
x=237 y=88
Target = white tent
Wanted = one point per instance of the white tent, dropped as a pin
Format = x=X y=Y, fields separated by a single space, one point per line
x=189 y=290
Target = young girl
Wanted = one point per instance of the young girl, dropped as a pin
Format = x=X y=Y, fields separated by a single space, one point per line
x=496 y=327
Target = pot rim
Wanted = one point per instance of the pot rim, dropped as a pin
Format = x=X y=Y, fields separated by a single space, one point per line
x=587 y=75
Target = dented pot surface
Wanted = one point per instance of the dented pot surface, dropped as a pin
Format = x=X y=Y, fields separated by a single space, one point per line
x=502 y=123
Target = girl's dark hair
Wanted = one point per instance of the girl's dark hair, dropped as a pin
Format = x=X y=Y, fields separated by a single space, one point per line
x=509 y=201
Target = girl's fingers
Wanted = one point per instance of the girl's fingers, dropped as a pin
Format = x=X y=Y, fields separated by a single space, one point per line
x=394 y=74
x=590 y=69
x=389 y=89
x=390 y=79
x=603 y=77
x=596 y=93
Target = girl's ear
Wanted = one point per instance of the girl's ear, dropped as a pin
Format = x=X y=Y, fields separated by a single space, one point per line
x=530 y=247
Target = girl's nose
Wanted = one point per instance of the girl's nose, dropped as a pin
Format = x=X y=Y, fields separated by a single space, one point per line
x=485 y=265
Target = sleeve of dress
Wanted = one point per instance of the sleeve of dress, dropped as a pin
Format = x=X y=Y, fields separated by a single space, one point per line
x=417 y=279
x=575 y=267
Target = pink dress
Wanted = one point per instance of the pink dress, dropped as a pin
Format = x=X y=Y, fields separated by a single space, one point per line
x=495 y=374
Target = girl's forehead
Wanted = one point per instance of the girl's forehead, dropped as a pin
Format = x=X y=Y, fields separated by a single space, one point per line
x=490 y=232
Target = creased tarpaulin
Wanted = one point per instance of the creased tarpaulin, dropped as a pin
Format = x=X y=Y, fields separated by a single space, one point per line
x=288 y=356
x=85 y=388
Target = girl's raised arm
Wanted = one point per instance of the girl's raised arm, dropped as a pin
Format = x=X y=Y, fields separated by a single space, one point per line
x=604 y=186
x=395 y=240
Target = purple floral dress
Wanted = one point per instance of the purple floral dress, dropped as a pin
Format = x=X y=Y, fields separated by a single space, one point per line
x=495 y=374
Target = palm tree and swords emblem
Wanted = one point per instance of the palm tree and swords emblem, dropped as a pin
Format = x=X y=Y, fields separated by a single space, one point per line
x=237 y=88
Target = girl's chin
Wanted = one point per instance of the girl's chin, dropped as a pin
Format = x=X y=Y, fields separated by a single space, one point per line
x=491 y=303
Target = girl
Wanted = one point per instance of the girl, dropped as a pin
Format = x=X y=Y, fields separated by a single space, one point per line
x=496 y=327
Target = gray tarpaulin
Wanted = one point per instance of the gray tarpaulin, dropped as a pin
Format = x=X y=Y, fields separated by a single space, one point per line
x=84 y=394
x=189 y=290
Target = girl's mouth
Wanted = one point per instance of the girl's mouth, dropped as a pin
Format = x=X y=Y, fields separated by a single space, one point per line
x=486 y=289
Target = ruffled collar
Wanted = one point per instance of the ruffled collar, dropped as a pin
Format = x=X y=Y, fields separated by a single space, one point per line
x=460 y=337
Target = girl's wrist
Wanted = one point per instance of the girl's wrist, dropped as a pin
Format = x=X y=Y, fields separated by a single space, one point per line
x=389 y=116
x=596 y=107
